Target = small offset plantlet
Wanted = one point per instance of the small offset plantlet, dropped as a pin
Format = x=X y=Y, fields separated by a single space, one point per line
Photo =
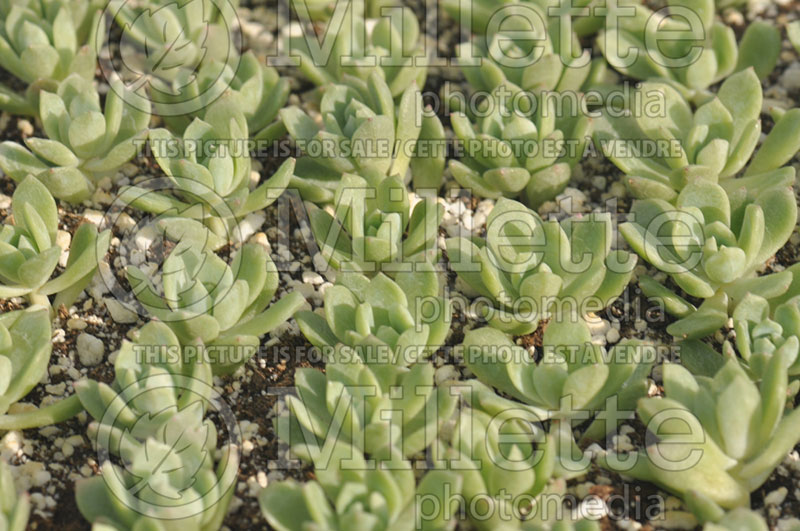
x=374 y=228
x=512 y=153
x=716 y=142
x=349 y=493
x=84 y=140
x=14 y=508
x=24 y=355
x=388 y=46
x=209 y=169
x=739 y=432
x=711 y=244
x=43 y=42
x=257 y=89
x=689 y=65
x=152 y=418
x=715 y=518
x=531 y=269
x=223 y=306
x=361 y=130
x=573 y=377
x=30 y=253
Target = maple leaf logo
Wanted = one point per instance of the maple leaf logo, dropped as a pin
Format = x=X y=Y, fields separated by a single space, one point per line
x=166 y=464
x=164 y=42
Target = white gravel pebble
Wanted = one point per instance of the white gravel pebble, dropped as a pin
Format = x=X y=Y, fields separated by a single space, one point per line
x=90 y=349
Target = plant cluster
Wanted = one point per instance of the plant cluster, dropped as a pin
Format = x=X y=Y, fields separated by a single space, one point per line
x=710 y=216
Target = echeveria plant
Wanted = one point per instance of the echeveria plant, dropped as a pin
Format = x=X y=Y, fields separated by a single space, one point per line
x=711 y=243
x=30 y=253
x=24 y=355
x=256 y=88
x=388 y=46
x=690 y=64
x=153 y=419
x=349 y=493
x=84 y=140
x=360 y=130
x=715 y=518
x=508 y=152
x=573 y=379
x=715 y=143
x=531 y=269
x=41 y=43
x=209 y=170
x=14 y=508
x=738 y=432
x=225 y=306
x=374 y=227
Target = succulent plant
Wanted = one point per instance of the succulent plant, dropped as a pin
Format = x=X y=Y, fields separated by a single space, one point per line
x=350 y=493
x=530 y=269
x=511 y=153
x=224 y=306
x=573 y=380
x=163 y=38
x=323 y=10
x=153 y=419
x=373 y=226
x=41 y=43
x=257 y=89
x=24 y=355
x=498 y=466
x=375 y=335
x=793 y=32
x=388 y=46
x=361 y=130
x=30 y=253
x=690 y=64
x=716 y=142
x=711 y=243
x=14 y=508
x=738 y=432
x=84 y=140
x=210 y=176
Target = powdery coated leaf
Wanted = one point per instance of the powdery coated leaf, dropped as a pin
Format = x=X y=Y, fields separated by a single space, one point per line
x=759 y=48
x=33 y=193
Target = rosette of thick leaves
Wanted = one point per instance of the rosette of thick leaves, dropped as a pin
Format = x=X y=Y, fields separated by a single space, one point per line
x=738 y=432
x=153 y=419
x=375 y=335
x=29 y=252
x=84 y=140
x=359 y=130
x=572 y=377
x=706 y=55
x=374 y=227
x=530 y=269
x=41 y=43
x=24 y=353
x=349 y=493
x=711 y=243
x=388 y=46
x=209 y=168
x=161 y=38
x=14 y=508
x=226 y=306
x=510 y=152
x=256 y=88
x=663 y=150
